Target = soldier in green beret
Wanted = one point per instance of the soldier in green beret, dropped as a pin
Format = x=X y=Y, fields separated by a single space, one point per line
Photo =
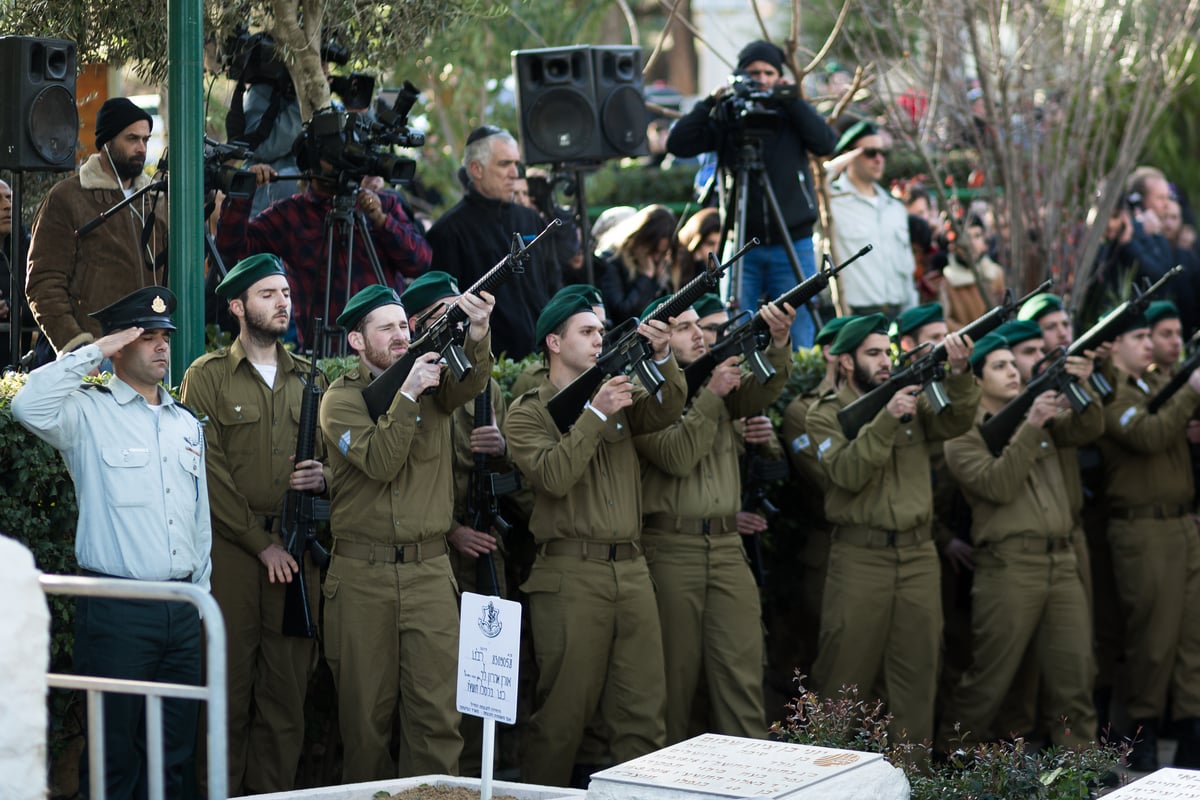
x=1155 y=549
x=918 y=325
x=1027 y=595
x=535 y=374
x=591 y=601
x=811 y=484
x=881 y=618
x=1048 y=312
x=250 y=393
x=708 y=602
x=1166 y=338
x=713 y=316
x=391 y=601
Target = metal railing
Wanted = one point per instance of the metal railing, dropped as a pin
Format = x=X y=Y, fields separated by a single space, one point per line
x=211 y=692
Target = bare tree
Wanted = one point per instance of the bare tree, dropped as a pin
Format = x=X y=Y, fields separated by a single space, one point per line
x=1053 y=101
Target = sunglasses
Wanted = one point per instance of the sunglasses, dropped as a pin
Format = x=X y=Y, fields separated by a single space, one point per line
x=875 y=152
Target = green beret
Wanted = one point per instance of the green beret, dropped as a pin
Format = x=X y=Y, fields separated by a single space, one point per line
x=149 y=307
x=987 y=344
x=830 y=330
x=428 y=289
x=855 y=330
x=915 y=318
x=864 y=127
x=1130 y=322
x=1039 y=306
x=586 y=291
x=1159 y=310
x=365 y=302
x=561 y=308
x=710 y=304
x=1016 y=331
x=248 y=272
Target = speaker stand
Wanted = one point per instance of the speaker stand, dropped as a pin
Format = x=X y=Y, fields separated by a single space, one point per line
x=577 y=170
x=16 y=273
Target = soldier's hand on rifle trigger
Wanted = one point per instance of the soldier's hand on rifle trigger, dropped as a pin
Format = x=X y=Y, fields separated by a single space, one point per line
x=659 y=336
x=615 y=394
x=749 y=523
x=471 y=542
x=904 y=402
x=758 y=430
x=958 y=351
x=478 y=309
x=426 y=374
x=1080 y=367
x=1101 y=353
x=487 y=440
x=307 y=476
x=726 y=377
x=279 y=563
x=1045 y=408
x=779 y=321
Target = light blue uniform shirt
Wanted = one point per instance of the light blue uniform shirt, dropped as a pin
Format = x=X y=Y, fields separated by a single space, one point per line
x=139 y=474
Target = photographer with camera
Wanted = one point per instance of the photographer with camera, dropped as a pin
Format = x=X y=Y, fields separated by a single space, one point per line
x=761 y=107
x=70 y=274
x=341 y=160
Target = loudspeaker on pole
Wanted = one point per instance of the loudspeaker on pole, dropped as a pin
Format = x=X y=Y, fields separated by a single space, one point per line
x=39 y=128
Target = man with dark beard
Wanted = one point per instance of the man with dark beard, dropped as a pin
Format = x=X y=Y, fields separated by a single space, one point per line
x=250 y=395
x=391 y=601
x=71 y=276
x=881 y=615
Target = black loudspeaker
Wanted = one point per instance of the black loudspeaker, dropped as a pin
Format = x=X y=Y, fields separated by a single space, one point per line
x=39 y=127
x=580 y=103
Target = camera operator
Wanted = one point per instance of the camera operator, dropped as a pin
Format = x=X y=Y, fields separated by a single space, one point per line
x=294 y=229
x=797 y=131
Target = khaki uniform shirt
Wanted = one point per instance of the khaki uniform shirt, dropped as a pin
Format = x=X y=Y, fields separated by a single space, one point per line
x=586 y=482
x=1146 y=456
x=251 y=430
x=392 y=481
x=880 y=479
x=1024 y=490
x=809 y=478
x=691 y=468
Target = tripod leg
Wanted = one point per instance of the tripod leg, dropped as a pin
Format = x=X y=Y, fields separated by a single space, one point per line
x=364 y=230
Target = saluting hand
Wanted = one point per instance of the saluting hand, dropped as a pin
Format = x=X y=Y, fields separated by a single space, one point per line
x=426 y=374
x=116 y=341
x=615 y=394
x=279 y=563
x=478 y=309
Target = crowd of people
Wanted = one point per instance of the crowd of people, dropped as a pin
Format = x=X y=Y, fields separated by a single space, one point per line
x=978 y=591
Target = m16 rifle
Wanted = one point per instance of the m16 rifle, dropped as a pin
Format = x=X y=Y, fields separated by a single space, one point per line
x=926 y=369
x=758 y=474
x=300 y=511
x=750 y=337
x=483 y=510
x=1179 y=379
x=446 y=333
x=628 y=351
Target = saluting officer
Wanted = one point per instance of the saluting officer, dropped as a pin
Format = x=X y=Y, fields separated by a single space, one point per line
x=691 y=484
x=881 y=620
x=250 y=395
x=391 y=602
x=594 y=619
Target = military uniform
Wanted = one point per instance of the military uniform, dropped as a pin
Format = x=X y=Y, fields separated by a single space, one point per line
x=594 y=619
x=252 y=430
x=881 y=620
x=810 y=485
x=391 y=613
x=1027 y=590
x=1155 y=549
x=708 y=602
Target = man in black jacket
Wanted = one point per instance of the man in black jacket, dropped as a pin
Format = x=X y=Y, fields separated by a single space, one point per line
x=798 y=131
x=470 y=238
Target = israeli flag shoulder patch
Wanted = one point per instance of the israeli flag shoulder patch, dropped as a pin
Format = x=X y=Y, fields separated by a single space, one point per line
x=1129 y=414
x=801 y=442
x=822 y=447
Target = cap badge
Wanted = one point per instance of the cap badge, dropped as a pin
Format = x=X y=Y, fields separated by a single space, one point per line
x=158 y=306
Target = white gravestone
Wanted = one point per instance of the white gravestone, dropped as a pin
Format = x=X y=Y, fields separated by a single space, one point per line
x=24 y=659
x=715 y=767
x=1166 y=784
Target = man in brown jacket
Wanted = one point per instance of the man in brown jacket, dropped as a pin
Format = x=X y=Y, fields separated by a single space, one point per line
x=71 y=276
x=391 y=602
x=594 y=619
x=881 y=619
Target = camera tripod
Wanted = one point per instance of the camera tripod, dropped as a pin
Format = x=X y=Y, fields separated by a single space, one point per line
x=734 y=186
x=342 y=221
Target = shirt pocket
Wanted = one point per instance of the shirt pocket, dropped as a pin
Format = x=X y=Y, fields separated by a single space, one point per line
x=237 y=437
x=127 y=478
x=617 y=429
x=427 y=443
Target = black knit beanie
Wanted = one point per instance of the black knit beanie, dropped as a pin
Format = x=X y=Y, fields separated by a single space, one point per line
x=117 y=114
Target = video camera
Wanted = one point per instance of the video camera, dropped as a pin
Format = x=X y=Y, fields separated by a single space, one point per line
x=219 y=176
x=353 y=144
x=749 y=108
x=252 y=58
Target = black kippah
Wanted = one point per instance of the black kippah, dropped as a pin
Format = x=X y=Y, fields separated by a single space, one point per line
x=482 y=132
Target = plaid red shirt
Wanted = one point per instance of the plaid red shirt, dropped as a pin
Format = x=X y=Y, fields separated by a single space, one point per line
x=294 y=230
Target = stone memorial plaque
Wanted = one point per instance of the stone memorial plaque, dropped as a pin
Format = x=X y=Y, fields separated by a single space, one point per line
x=715 y=766
x=1166 y=784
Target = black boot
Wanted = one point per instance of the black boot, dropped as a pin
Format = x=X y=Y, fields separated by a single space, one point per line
x=1187 y=754
x=1144 y=755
